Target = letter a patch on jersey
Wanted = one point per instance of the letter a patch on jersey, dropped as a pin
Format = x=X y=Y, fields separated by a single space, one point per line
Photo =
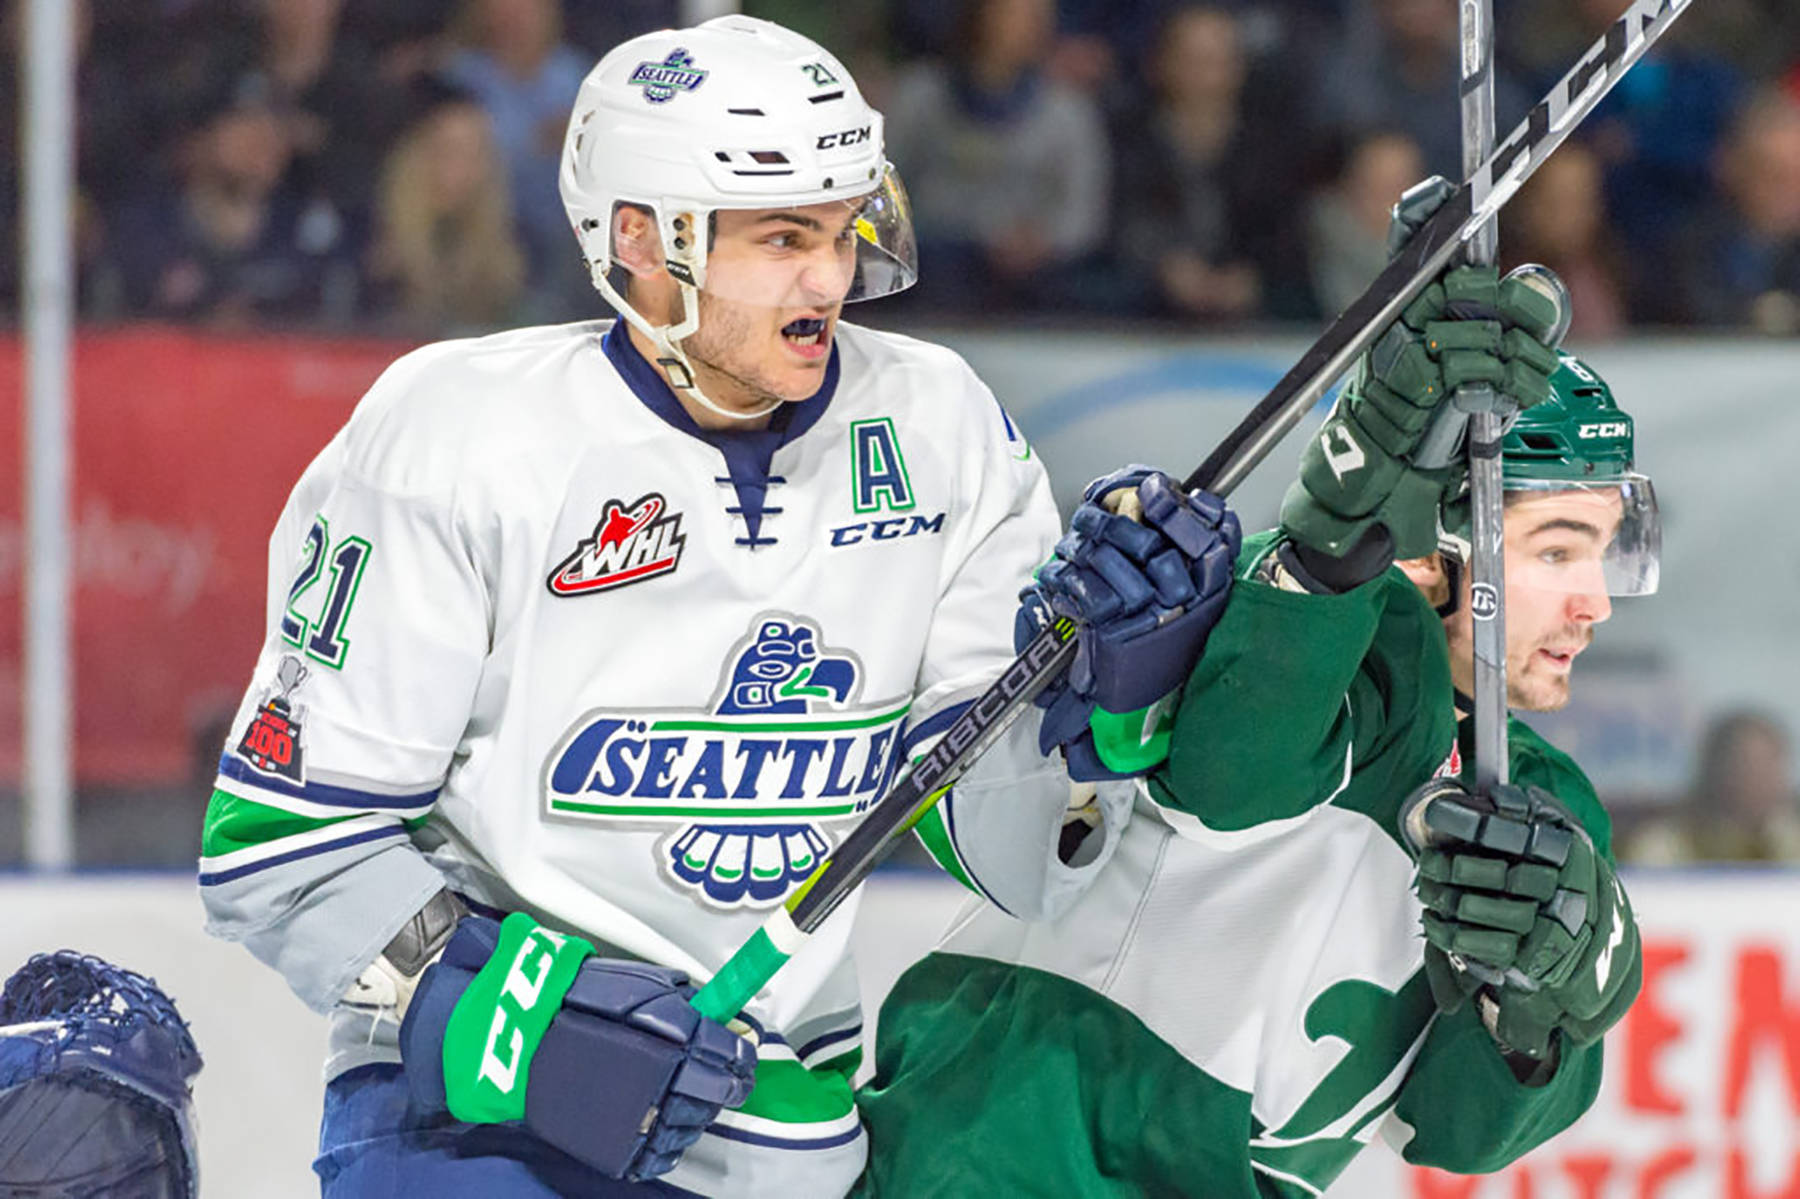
x=878 y=469
x=630 y=543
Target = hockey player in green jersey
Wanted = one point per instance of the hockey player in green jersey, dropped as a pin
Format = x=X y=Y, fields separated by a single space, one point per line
x=1267 y=975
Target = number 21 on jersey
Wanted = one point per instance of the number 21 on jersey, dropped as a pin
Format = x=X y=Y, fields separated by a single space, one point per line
x=322 y=635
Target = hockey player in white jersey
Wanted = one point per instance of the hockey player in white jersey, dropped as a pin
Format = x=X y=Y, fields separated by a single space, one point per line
x=586 y=641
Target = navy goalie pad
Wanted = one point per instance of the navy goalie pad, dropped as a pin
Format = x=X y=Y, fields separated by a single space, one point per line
x=96 y=1075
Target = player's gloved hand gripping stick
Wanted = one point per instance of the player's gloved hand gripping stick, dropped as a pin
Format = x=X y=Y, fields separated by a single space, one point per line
x=1051 y=652
x=511 y=1023
x=1523 y=916
x=1144 y=571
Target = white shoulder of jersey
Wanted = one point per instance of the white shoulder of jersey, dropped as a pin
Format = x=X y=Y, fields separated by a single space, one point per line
x=411 y=433
x=878 y=354
x=935 y=379
x=878 y=348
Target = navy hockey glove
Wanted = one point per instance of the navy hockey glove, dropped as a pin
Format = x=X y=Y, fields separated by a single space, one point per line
x=1522 y=914
x=96 y=1071
x=1146 y=592
x=604 y=1059
x=1364 y=497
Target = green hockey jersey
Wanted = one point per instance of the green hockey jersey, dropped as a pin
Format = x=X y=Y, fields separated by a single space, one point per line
x=1238 y=1005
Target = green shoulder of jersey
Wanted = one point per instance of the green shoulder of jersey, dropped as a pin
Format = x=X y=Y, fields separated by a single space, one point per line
x=1301 y=700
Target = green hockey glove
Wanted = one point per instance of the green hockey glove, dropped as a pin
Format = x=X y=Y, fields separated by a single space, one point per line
x=1522 y=911
x=1361 y=499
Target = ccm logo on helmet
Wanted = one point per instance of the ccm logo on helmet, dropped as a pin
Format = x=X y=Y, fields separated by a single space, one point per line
x=849 y=137
x=1617 y=428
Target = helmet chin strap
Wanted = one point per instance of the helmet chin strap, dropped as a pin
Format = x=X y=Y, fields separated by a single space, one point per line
x=1453 y=569
x=671 y=358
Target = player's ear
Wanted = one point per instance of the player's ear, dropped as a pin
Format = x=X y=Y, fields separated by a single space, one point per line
x=636 y=244
x=1429 y=576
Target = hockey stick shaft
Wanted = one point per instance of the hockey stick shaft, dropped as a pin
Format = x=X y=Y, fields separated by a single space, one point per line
x=1548 y=124
x=1475 y=46
x=1050 y=652
x=1487 y=565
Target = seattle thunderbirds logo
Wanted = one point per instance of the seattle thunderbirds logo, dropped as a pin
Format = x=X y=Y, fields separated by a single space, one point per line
x=751 y=784
x=663 y=81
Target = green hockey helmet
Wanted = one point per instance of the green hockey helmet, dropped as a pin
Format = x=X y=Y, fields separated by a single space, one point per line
x=1578 y=445
x=1580 y=435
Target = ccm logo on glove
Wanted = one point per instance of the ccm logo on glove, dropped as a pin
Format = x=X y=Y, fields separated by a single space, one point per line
x=519 y=994
x=516 y=1022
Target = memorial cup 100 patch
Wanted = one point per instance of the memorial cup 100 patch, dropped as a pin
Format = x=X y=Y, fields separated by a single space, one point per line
x=271 y=745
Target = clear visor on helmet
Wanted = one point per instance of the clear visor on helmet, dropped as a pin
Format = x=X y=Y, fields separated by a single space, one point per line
x=1588 y=538
x=813 y=257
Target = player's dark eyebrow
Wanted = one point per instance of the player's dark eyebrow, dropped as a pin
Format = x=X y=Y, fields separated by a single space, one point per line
x=1572 y=526
x=811 y=224
x=800 y=219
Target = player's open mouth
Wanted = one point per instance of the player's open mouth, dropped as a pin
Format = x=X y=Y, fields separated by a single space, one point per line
x=1561 y=657
x=806 y=336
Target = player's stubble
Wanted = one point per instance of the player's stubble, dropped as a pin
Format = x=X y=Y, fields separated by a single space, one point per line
x=1530 y=685
x=727 y=342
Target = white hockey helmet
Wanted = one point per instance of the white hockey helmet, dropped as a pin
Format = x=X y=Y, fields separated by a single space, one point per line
x=737 y=113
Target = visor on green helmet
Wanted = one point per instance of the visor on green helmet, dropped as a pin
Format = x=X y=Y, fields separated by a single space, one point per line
x=1587 y=538
x=1606 y=532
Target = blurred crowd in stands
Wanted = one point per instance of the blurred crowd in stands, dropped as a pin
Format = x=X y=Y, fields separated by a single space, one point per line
x=1742 y=804
x=390 y=165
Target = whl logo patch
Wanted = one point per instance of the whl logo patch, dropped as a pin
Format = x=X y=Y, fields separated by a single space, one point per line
x=750 y=787
x=631 y=543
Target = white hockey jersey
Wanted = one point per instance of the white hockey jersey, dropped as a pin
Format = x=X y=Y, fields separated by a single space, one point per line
x=533 y=632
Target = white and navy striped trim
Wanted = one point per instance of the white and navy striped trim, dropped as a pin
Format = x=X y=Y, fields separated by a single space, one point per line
x=772 y=1046
x=825 y=1047
x=782 y=1134
x=778 y=1134
x=316 y=799
x=344 y=834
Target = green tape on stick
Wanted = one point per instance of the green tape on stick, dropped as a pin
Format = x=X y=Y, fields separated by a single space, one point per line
x=741 y=977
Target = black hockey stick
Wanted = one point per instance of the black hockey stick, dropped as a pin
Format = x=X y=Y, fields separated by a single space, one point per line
x=1417 y=263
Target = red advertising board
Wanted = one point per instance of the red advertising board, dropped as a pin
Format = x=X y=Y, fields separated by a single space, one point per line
x=1701 y=1097
x=185 y=446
